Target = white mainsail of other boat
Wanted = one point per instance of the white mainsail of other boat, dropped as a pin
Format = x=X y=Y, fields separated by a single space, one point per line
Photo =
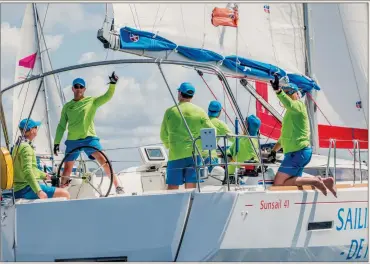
x=32 y=59
x=340 y=64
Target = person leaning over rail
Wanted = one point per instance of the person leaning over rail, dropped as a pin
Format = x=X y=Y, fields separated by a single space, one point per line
x=214 y=112
x=79 y=114
x=295 y=140
x=26 y=173
x=176 y=138
x=246 y=151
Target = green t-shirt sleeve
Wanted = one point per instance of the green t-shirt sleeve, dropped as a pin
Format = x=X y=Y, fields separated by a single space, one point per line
x=231 y=150
x=61 y=126
x=164 y=131
x=226 y=131
x=288 y=102
x=105 y=97
x=40 y=174
x=26 y=155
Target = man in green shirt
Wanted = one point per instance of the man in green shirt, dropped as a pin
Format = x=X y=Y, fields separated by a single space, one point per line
x=246 y=151
x=214 y=112
x=295 y=140
x=26 y=173
x=79 y=114
x=176 y=138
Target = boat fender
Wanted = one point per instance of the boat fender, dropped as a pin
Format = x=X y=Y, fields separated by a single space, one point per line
x=7 y=169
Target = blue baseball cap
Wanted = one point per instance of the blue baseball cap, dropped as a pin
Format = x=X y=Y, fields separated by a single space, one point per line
x=79 y=81
x=31 y=124
x=254 y=124
x=290 y=88
x=187 y=88
x=214 y=108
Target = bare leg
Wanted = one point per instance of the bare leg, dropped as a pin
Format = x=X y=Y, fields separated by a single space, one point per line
x=283 y=179
x=60 y=192
x=68 y=166
x=190 y=185
x=172 y=187
x=102 y=161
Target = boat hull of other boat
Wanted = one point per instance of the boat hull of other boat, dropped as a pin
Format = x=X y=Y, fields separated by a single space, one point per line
x=279 y=224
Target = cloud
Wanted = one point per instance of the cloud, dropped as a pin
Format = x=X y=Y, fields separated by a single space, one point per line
x=88 y=57
x=74 y=16
x=53 y=42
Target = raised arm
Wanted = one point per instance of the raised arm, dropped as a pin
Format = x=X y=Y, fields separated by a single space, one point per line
x=109 y=94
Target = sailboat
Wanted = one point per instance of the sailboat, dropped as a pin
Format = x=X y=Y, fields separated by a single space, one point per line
x=215 y=222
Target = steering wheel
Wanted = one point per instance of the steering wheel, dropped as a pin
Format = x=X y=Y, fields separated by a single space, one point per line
x=83 y=173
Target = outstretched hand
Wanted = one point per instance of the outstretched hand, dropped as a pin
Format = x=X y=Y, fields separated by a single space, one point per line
x=275 y=83
x=113 y=78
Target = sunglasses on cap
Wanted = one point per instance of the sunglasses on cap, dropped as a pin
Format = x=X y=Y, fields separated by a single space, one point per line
x=78 y=86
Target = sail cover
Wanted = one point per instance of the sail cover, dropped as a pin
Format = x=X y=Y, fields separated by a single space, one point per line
x=268 y=38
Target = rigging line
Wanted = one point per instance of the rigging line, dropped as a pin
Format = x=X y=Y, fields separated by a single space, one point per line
x=155 y=19
x=183 y=23
x=46 y=12
x=137 y=16
x=24 y=103
x=216 y=99
x=204 y=25
x=55 y=76
x=350 y=58
x=311 y=98
x=272 y=39
x=133 y=16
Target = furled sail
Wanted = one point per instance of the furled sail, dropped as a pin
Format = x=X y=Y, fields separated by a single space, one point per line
x=32 y=61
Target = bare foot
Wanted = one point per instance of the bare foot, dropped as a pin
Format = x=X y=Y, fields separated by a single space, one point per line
x=329 y=183
x=319 y=184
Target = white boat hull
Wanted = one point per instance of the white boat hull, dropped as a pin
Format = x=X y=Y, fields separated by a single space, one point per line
x=213 y=226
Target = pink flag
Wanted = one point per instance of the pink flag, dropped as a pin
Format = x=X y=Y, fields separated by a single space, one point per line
x=28 y=62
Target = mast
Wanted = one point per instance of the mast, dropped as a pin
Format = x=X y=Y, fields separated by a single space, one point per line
x=35 y=16
x=311 y=108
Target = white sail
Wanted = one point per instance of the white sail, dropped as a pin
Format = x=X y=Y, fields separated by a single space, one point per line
x=340 y=65
x=48 y=105
x=271 y=34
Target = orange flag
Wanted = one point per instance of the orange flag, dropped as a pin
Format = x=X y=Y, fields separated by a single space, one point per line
x=225 y=17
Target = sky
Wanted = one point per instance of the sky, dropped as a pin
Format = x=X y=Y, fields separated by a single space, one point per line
x=133 y=117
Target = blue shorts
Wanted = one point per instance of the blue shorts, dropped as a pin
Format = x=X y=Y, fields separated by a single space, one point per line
x=89 y=141
x=28 y=193
x=182 y=171
x=294 y=162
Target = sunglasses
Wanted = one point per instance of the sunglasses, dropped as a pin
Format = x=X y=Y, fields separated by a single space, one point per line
x=290 y=92
x=77 y=86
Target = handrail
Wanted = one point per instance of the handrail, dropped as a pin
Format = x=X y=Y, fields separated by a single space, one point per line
x=332 y=144
x=356 y=146
x=225 y=137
